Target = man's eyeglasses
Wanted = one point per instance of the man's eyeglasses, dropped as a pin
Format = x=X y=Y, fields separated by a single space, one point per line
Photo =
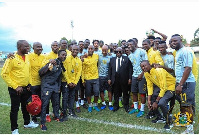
x=118 y=51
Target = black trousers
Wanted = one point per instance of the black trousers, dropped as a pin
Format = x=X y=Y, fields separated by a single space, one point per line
x=15 y=103
x=45 y=97
x=117 y=88
x=68 y=98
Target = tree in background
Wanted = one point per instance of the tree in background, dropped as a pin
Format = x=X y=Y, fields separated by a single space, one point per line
x=119 y=42
x=195 y=41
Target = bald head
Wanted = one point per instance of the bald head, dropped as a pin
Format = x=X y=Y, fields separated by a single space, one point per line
x=104 y=50
x=37 y=47
x=104 y=47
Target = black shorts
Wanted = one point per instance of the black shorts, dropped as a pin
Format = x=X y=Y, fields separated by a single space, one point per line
x=103 y=84
x=139 y=86
x=92 y=86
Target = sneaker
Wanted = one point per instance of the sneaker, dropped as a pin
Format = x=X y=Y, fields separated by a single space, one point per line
x=140 y=114
x=103 y=107
x=78 y=110
x=120 y=104
x=89 y=109
x=15 y=131
x=159 y=120
x=31 y=125
x=85 y=106
x=58 y=120
x=72 y=114
x=133 y=111
x=111 y=107
x=34 y=119
x=168 y=126
x=150 y=115
x=48 y=118
x=189 y=130
x=43 y=127
x=96 y=108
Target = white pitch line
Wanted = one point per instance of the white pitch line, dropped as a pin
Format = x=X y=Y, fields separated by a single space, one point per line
x=5 y=104
x=118 y=124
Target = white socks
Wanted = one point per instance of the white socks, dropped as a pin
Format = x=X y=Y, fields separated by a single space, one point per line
x=142 y=107
x=135 y=105
x=110 y=103
x=82 y=102
x=77 y=104
x=103 y=103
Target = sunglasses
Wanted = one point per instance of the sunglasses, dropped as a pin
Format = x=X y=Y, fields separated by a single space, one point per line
x=118 y=51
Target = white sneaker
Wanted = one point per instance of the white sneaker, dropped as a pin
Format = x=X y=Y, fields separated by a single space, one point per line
x=15 y=131
x=189 y=130
x=31 y=125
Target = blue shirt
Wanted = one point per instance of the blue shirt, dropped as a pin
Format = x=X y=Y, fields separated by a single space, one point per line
x=168 y=61
x=103 y=65
x=99 y=52
x=183 y=59
x=84 y=51
x=136 y=57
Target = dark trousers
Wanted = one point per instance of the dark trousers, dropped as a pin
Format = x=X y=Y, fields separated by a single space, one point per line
x=15 y=103
x=45 y=97
x=162 y=102
x=68 y=99
x=117 y=87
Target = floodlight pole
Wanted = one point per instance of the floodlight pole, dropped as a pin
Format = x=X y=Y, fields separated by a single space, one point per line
x=72 y=25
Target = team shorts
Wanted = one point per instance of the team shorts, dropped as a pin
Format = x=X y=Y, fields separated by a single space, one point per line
x=103 y=84
x=139 y=86
x=92 y=86
x=187 y=96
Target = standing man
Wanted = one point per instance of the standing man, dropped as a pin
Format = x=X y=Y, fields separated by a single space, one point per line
x=185 y=80
x=73 y=66
x=90 y=77
x=119 y=77
x=36 y=59
x=138 y=84
x=103 y=66
x=16 y=73
x=52 y=55
x=81 y=87
x=159 y=96
x=50 y=85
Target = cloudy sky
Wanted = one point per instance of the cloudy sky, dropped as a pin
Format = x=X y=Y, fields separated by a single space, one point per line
x=108 y=20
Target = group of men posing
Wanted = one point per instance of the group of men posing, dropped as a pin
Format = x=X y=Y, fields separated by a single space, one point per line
x=154 y=70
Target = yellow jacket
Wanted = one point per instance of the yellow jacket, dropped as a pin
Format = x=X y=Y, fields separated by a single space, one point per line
x=49 y=56
x=73 y=67
x=161 y=78
x=195 y=70
x=35 y=62
x=68 y=52
x=90 y=69
x=16 y=71
x=154 y=57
